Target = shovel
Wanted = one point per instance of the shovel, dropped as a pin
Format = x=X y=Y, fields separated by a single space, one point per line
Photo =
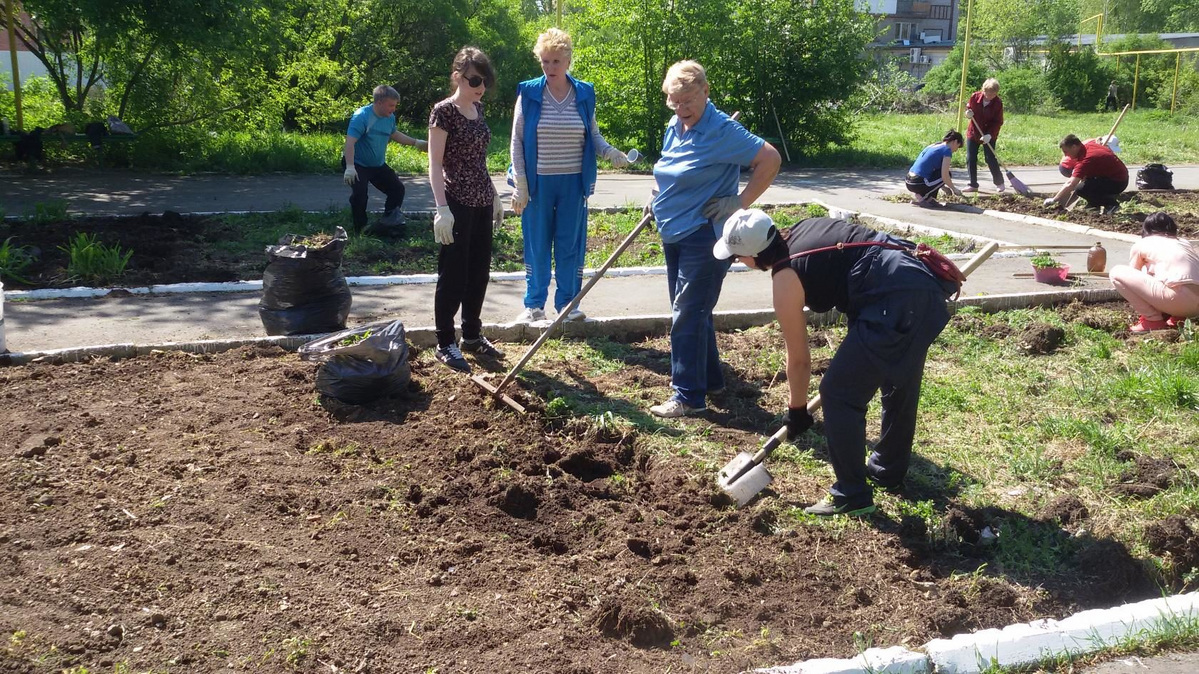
x=745 y=476
x=1017 y=184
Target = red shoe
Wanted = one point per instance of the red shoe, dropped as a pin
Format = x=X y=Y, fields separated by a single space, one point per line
x=1145 y=325
x=1175 y=321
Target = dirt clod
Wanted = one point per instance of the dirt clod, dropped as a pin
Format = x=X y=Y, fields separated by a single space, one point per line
x=640 y=625
x=1041 y=338
x=1066 y=509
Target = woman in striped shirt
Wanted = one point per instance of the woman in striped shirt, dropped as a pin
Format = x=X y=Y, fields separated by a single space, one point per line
x=555 y=142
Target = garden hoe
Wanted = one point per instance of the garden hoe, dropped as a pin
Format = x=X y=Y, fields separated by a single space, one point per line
x=1017 y=184
x=497 y=390
x=745 y=476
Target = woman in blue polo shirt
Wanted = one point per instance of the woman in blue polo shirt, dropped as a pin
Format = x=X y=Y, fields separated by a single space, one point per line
x=703 y=152
x=930 y=173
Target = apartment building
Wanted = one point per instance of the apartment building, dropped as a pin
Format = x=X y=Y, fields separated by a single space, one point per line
x=919 y=34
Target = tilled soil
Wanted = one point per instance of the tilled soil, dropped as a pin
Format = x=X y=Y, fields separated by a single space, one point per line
x=207 y=513
x=1182 y=205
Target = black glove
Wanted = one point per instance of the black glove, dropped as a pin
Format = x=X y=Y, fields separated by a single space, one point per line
x=798 y=421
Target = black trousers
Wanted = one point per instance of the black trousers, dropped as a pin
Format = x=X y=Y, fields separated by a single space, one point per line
x=463 y=270
x=1111 y=103
x=921 y=187
x=885 y=349
x=972 y=162
x=1100 y=191
x=385 y=180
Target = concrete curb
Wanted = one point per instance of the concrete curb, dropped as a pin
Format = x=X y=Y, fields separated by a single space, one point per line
x=1064 y=226
x=621 y=328
x=1018 y=645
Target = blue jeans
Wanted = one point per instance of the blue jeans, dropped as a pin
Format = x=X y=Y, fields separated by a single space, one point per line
x=694 y=277
x=554 y=223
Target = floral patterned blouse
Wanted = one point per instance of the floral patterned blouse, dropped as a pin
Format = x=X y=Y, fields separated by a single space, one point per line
x=465 y=159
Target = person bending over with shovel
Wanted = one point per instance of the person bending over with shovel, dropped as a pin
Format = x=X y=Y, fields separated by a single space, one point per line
x=930 y=172
x=896 y=308
x=1096 y=175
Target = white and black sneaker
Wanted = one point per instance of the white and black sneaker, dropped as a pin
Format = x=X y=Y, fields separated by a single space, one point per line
x=452 y=356
x=482 y=346
x=529 y=316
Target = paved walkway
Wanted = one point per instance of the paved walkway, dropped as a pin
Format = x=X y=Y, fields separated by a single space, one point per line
x=145 y=319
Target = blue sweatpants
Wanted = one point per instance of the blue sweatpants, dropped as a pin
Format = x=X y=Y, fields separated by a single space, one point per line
x=554 y=224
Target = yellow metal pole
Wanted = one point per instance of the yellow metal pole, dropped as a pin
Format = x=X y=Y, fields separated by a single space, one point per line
x=16 y=70
x=560 y=3
x=1174 y=96
x=1136 y=75
x=965 y=67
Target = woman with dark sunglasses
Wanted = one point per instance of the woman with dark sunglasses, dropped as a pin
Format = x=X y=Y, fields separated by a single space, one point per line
x=468 y=208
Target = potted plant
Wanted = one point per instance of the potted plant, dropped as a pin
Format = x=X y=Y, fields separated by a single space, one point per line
x=1046 y=269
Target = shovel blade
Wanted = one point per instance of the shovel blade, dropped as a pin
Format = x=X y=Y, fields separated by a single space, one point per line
x=740 y=484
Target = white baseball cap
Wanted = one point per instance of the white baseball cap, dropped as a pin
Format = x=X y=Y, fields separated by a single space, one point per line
x=746 y=232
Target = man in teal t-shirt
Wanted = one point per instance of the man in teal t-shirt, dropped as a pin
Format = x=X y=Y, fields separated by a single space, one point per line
x=365 y=158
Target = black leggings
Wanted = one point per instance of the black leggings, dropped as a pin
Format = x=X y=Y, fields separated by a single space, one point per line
x=463 y=270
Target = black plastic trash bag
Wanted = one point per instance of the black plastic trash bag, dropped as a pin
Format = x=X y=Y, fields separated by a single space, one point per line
x=303 y=289
x=362 y=364
x=1155 y=177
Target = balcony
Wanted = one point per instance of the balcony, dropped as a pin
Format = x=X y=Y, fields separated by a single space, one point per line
x=912 y=8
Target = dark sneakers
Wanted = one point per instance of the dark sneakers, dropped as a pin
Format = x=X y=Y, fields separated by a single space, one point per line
x=452 y=357
x=482 y=346
x=832 y=505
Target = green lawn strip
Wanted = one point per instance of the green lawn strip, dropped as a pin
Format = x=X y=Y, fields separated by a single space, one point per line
x=246 y=235
x=999 y=427
x=893 y=141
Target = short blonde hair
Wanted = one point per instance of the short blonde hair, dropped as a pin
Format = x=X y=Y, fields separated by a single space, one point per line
x=991 y=84
x=553 y=39
x=684 y=76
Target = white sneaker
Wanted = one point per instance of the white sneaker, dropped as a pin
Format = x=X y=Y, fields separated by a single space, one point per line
x=531 y=316
x=674 y=408
x=1000 y=188
x=576 y=315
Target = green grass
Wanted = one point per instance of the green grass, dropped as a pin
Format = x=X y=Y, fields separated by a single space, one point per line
x=998 y=428
x=891 y=141
x=417 y=252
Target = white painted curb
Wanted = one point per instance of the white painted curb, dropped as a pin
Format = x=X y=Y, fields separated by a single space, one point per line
x=1064 y=226
x=1018 y=645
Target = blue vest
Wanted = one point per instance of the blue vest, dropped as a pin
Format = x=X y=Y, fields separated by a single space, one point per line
x=530 y=101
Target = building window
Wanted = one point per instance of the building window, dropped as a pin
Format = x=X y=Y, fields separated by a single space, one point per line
x=940 y=11
x=904 y=30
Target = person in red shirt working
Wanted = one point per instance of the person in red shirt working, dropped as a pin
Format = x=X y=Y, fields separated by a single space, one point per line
x=1098 y=175
x=986 y=109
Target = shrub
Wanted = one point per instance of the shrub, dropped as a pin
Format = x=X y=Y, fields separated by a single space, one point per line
x=1077 y=77
x=1024 y=89
x=94 y=262
x=946 y=77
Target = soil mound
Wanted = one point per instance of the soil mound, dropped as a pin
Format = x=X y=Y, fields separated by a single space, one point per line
x=1066 y=510
x=1041 y=338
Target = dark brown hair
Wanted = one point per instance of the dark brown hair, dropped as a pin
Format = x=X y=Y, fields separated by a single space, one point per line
x=955 y=136
x=469 y=57
x=1069 y=141
x=1159 y=223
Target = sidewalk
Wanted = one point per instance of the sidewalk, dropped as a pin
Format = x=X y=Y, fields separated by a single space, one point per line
x=148 y=319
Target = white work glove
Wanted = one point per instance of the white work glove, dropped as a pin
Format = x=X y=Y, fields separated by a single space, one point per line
x=443 y=226
x=351 y=175
x=1050 y=202
x=969 y=113
x=497 y=210
x=718 y=209
x=422 y=145
x=520 y=195
x=986 y=138
x=617 y=158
